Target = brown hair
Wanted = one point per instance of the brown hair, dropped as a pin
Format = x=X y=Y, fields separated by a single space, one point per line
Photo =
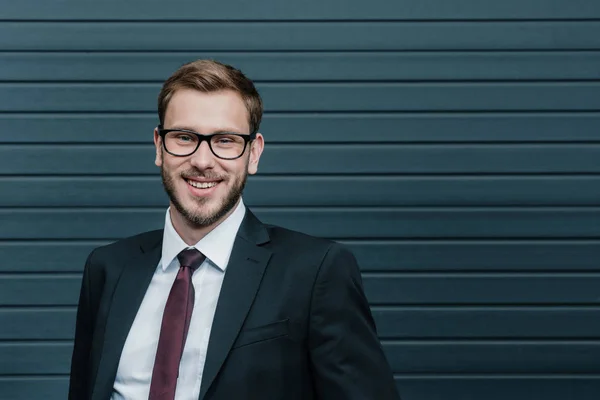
x=212 y=76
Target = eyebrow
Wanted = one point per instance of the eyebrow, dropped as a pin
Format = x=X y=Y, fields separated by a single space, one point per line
x=181 y=127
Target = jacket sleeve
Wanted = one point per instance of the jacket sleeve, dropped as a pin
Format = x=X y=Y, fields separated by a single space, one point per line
x=347 y=359
x=84 y=327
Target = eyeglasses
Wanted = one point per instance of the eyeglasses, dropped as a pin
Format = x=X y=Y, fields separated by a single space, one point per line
x=224 y=145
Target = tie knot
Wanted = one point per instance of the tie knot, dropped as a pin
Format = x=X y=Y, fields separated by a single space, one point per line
x=190 y=258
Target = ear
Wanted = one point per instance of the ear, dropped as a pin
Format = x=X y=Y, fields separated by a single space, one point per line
x=256 y=149
x=158 y=144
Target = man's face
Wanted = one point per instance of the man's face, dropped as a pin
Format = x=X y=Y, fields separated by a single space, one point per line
x=206 y=113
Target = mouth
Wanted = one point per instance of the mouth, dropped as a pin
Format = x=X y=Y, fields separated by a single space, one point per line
x=201 y=188
x=202 y=185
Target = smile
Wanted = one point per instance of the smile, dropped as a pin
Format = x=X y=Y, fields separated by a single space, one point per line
x=201 y=185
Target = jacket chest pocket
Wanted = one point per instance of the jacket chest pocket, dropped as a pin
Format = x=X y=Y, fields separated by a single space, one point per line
x=262 y=333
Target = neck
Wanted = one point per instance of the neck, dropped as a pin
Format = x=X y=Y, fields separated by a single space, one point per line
x=191 y=233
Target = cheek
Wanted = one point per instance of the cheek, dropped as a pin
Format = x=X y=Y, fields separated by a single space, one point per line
x=233 y=169
x=172 y=168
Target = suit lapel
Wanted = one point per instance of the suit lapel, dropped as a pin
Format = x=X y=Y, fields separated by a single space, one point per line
x=127 y=297
x=240 y=284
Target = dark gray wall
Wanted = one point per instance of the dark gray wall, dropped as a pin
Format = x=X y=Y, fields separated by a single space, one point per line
x=454 y=145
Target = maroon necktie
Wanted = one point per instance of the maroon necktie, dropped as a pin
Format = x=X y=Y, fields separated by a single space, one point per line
x=174 y=328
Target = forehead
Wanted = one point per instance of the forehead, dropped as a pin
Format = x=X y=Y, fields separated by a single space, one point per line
x=207 y=112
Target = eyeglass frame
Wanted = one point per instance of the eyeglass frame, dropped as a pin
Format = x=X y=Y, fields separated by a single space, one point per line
x=201 y=138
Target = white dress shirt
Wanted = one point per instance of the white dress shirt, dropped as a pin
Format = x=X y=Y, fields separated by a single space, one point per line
x=137 y=359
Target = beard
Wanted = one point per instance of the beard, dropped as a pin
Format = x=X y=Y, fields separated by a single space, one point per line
x=194 y=214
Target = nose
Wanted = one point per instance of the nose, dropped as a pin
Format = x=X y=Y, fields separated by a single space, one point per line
x=203 y=158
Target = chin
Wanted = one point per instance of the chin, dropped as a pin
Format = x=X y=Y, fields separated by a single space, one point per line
x=201 y=215
x=202 y=211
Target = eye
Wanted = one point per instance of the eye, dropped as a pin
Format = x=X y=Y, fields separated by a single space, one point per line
x=226 y=140
x=184 y=137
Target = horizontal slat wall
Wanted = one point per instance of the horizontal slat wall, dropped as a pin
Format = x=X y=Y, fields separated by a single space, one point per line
x=405 y=127
x=431 y=387
x=318 y=97
x=317 y=190
x=498 y=357
x=374 y=255
x=381 y=289
x=299 y=36
x=343 y=223
x=340 y=158
x=453 y=147
x=240 y=10
x=309 y=66
x=409 y=322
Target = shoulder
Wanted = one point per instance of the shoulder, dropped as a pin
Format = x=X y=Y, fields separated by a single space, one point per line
x=289 y=238
x=298 y=244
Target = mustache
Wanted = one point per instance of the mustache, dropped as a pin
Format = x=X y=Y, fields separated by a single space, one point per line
x=198 y=174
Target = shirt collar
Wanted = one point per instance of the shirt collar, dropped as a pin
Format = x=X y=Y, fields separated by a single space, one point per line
x=216 y=245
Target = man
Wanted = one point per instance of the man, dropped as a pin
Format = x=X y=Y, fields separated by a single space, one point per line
x=217 y=305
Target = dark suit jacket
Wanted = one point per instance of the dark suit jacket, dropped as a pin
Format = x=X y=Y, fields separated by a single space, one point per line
x=292 y=321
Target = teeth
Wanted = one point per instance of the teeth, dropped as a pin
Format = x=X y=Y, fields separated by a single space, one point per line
x=202 y=185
